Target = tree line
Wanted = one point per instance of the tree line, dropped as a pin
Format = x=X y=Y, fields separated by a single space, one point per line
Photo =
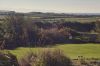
x=18 y=30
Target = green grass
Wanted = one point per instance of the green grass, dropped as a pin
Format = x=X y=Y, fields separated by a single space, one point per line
x=70 y=50
x=86 y=50
x=82 y=20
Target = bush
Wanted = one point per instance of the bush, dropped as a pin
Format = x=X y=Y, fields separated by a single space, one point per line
x=46 y=58
x=8 y=60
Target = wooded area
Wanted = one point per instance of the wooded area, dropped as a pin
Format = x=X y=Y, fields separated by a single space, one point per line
x=18 y=30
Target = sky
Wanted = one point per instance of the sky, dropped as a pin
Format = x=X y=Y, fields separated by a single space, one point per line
x=59 y=6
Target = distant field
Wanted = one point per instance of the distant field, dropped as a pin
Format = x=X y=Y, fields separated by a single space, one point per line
x=70 y=50
x=73 y=19
x=92 y=19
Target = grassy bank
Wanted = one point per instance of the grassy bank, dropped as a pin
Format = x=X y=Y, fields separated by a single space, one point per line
x=70 y=50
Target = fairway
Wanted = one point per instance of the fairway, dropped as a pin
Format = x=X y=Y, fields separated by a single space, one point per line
x=70 y=50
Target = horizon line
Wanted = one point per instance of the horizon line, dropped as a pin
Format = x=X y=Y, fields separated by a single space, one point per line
x=52 y=12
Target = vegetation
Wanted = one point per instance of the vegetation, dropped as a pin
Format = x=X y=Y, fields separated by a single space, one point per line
x=70 y=50
x=46 y=58
x=7 y=59
x=17 y=30
x=41 y=35
x=79 y=54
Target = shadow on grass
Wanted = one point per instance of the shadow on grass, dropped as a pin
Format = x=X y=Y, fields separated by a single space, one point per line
x=49 y=44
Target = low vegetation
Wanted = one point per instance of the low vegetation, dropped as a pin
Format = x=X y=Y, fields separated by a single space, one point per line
x=77 y=54
x=8 y=59
x=46 y=58
x=70 y=50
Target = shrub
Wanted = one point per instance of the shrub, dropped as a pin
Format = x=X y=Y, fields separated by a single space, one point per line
x=46 y=58
x=8 y=60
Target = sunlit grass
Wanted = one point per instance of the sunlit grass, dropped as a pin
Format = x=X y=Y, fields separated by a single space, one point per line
x=70 y=50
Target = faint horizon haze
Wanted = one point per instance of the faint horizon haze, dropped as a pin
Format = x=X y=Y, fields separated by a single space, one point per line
x=59 y=6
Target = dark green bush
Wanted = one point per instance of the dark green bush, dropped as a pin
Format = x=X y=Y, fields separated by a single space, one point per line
x=8 y=60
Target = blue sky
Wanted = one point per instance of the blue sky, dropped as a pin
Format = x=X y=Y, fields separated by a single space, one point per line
x=66 y=6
